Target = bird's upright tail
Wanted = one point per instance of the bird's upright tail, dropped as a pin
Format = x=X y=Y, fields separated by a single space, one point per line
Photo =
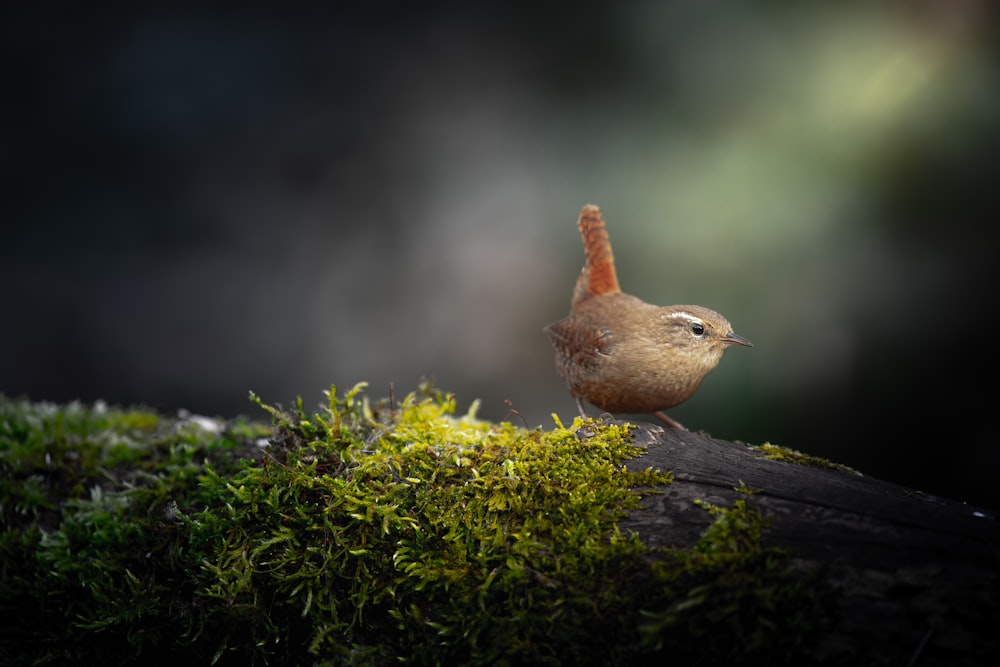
x=598 y=275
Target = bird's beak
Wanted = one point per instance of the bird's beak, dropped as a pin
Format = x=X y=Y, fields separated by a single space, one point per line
x=733 y=338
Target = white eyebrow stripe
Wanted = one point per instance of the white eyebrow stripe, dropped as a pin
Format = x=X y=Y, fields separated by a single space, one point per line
x=687 y=316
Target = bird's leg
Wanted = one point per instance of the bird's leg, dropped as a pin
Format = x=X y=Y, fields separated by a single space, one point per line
x=673 y=423
x=579 y=406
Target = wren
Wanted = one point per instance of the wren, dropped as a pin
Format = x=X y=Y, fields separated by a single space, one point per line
x=623 y=354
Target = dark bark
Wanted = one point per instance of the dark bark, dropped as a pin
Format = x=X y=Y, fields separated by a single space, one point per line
x=915 y=578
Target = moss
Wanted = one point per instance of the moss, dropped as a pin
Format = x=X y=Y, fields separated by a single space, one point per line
x=364 y=533
x=731 y=600
x=93 y=564
x=779 y=453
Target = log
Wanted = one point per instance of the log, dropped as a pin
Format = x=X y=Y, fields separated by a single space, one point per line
x=916 y=578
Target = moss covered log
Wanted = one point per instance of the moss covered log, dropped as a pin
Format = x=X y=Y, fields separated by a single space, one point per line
x=372 y=533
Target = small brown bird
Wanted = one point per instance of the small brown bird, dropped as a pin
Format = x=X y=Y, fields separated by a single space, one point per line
x=623 y=354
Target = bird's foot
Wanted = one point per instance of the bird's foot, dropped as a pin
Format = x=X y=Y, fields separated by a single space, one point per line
x=672 y=423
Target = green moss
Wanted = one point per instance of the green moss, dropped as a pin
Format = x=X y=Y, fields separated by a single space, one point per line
x=363 y=534
x=93 y=564
x=414 y=535
x=731 y=600
x=779 y=453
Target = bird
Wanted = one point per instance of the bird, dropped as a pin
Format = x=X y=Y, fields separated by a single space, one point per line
x=625 y=355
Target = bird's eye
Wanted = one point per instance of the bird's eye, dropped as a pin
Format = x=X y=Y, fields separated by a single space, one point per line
x=698 y=329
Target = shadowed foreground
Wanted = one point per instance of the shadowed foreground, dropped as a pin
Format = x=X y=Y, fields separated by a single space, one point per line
x=380 y=532
x=915 y=578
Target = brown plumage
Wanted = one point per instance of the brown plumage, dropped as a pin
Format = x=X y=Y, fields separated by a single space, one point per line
x=623 y=354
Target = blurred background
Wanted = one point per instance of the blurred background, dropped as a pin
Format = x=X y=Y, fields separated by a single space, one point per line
x=198 y=203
